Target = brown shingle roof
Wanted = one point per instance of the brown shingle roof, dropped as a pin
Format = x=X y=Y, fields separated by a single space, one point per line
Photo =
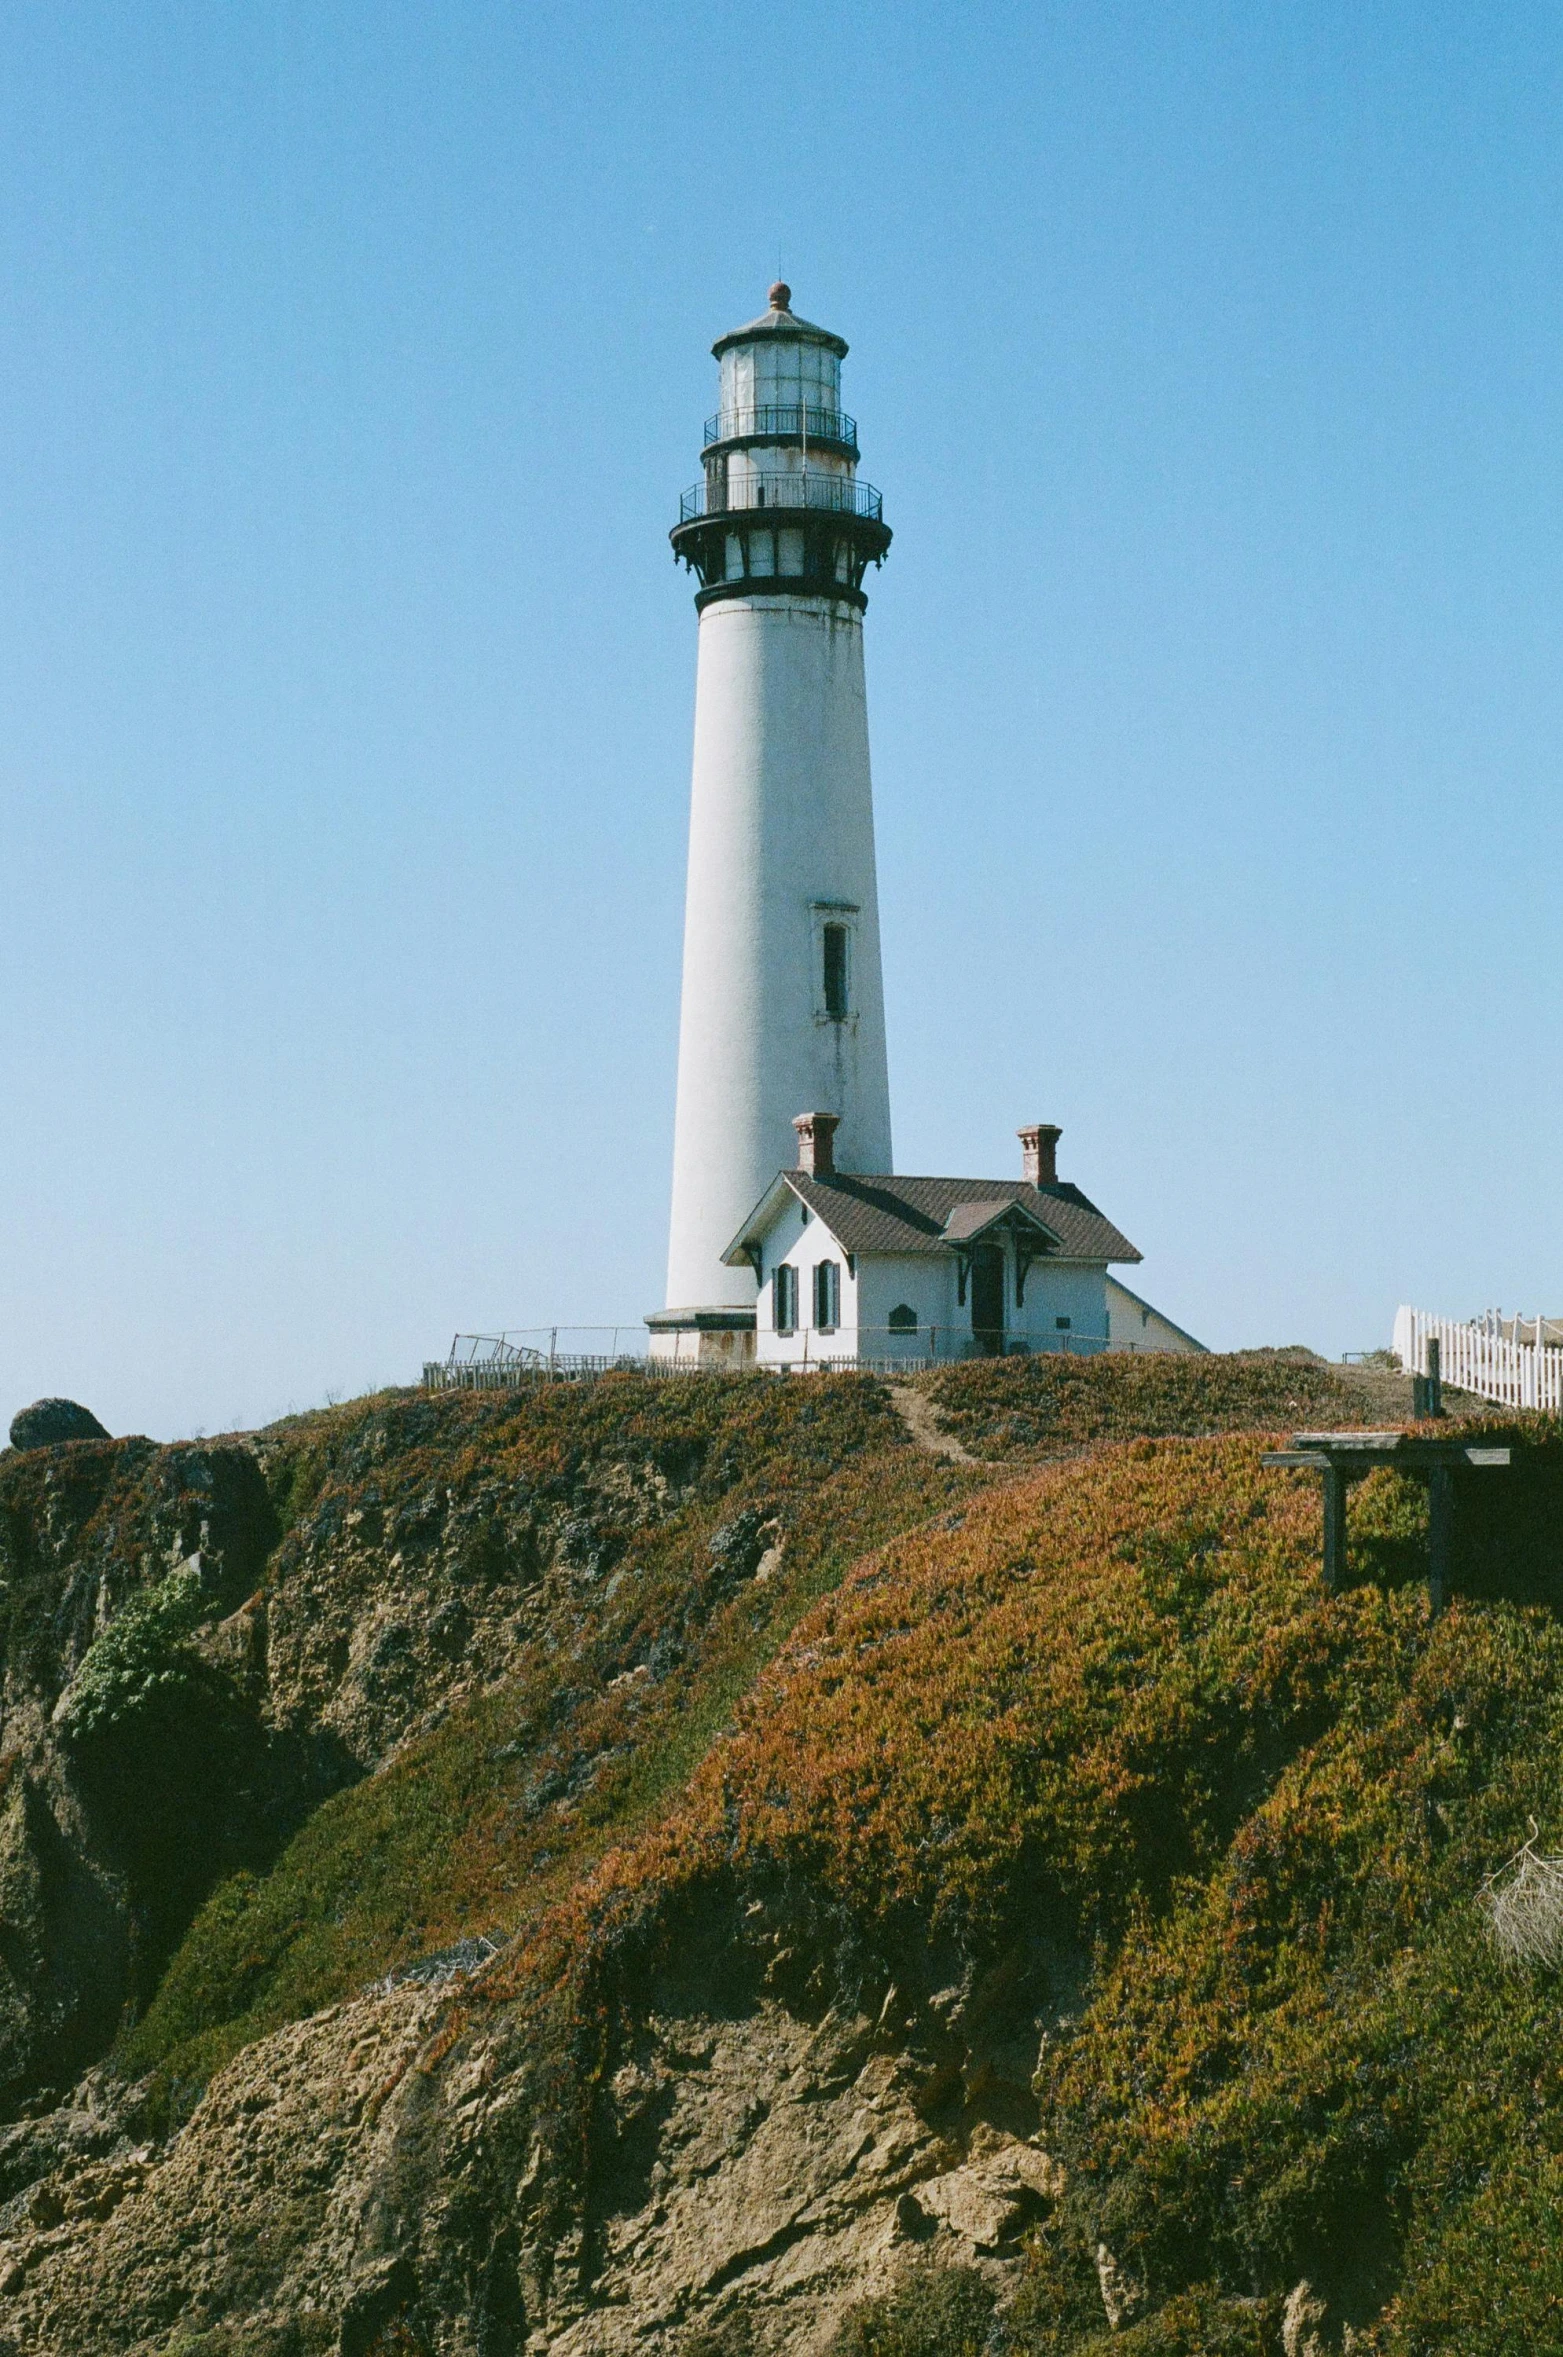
x=868 y=1214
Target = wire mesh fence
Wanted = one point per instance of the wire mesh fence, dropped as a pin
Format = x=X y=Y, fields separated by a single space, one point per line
x=530 y=1354
x=523 y=1355
x=891 y=1350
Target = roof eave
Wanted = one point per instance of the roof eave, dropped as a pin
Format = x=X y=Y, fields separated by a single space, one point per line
x=786 y=325
x=763 y=1217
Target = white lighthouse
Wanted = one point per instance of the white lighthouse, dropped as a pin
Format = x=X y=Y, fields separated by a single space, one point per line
x=783 y=1005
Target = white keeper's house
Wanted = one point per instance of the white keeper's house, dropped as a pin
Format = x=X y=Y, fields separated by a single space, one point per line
x=782 y=1056
x=867 y=1268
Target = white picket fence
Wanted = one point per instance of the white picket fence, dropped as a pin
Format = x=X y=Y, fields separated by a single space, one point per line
x=1472 y=1357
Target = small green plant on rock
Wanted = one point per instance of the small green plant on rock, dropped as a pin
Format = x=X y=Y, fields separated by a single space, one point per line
x=732 y=2337
x=933 y=2312
x=303 y=2336
x=144 y=1655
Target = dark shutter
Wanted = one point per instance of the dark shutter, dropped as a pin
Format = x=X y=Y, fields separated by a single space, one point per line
x=784 y=1299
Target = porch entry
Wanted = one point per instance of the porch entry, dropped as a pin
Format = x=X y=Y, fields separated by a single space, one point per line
x=987 y=1299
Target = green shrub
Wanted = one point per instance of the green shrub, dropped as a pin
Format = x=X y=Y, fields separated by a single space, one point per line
x=305 y=2336
x=732 y=2337
x=143 y=1657
x=933 y=2312
x=1505 y=2241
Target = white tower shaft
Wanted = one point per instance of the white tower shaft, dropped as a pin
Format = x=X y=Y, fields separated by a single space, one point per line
x=783 y=1007
x=783 y=1004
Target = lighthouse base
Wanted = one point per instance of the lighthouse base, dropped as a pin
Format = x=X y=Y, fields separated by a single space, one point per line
x=703 y=1340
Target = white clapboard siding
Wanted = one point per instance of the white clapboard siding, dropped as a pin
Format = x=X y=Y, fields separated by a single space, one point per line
x=1471 y=1358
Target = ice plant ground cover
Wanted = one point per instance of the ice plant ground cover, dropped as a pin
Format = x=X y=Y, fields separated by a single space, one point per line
x=730 y=1682
x=1104 y=1734
x=1027 y=1408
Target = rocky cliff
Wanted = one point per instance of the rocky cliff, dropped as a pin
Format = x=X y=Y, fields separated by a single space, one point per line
x=677 y=1865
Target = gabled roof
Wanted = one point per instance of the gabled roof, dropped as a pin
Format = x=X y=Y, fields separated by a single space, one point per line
x=968 y=1221
x=932 y=1215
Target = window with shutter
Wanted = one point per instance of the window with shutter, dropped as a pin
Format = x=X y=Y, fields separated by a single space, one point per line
x=834 y=938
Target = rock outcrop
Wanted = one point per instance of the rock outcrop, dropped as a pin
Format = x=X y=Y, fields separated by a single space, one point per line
x=106 y=1847
x=48 y=1421
x=754 y=2165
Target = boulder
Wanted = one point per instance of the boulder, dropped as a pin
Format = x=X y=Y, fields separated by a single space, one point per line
x=49 y=1420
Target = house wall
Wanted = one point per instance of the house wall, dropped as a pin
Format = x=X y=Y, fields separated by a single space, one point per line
x=802 y=1241
x=1134 y=1325
x=727 y=1351
x=1071 y=1290
x=926 y=1282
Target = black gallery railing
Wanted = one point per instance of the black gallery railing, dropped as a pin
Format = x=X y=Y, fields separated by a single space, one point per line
x=836 y=494
x=790 y=421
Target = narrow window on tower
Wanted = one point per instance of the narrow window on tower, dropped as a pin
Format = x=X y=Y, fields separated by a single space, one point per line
x=827 y=1295
x=784 y=1299
x=835 y=951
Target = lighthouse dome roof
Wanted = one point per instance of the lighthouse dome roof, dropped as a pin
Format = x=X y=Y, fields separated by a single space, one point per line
x=782 y=323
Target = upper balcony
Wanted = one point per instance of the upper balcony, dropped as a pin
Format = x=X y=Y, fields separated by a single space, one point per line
x=834 y=494
x=785 y=422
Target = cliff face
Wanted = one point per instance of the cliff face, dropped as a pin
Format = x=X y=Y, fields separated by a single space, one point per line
x=1069 y=1893
x=106 y=1847
x=348 y=1582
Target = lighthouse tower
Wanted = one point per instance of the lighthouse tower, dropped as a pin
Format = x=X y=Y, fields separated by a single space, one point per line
x=783 y=1005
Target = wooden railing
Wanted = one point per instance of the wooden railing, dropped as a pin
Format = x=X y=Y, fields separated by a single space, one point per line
x=1474 y=1358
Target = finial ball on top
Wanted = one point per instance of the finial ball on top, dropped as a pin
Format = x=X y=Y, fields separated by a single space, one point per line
x=781 y=295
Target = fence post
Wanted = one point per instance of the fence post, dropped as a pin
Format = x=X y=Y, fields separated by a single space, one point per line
x=1334 y=1527
x=1440 y=1533
x=1427 y=1391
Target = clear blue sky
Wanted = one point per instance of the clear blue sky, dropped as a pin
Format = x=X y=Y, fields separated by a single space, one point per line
x=353 y=359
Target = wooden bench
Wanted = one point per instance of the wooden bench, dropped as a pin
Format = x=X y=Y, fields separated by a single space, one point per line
x=1345 y=1457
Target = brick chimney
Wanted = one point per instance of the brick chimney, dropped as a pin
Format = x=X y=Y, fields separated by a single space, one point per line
x=817 y=1143
x=1039 y=1152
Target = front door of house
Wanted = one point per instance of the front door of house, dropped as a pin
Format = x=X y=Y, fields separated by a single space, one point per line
x=987 y=1299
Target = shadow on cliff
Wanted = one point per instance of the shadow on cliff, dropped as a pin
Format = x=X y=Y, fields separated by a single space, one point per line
x=115 y=1827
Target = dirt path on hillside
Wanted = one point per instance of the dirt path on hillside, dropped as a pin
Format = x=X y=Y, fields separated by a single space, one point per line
x=924 y=1427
